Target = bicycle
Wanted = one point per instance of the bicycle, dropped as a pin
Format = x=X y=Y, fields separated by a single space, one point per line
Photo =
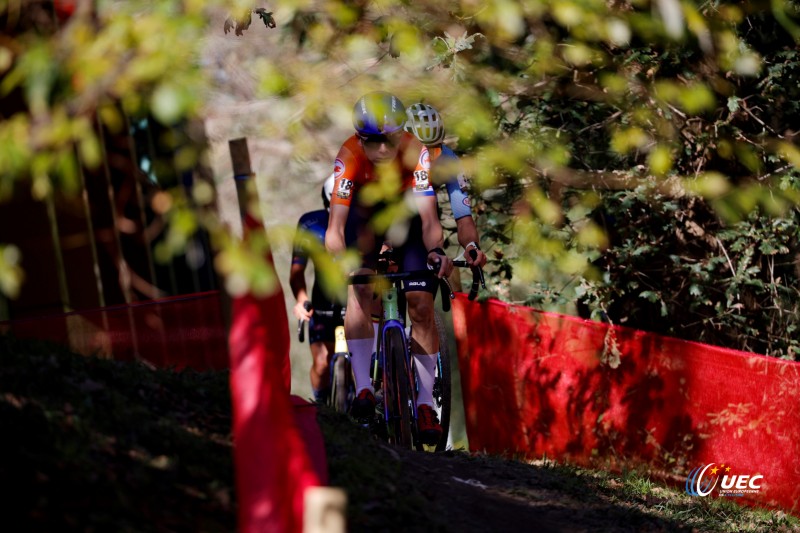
x=393 y=370
x=342 y=383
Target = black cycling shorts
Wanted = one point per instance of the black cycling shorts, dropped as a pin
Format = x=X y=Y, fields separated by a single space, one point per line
x=410 y=255
x=322 y=326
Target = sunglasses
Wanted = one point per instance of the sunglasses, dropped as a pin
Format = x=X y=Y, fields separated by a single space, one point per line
x=374 y=141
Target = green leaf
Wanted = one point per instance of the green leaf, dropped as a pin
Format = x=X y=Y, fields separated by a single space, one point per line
x=650 y=296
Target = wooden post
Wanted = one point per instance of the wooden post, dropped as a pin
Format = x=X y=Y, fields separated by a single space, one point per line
x=242 y=172
x=123 y=268
x=243 y=177
x=324 y=510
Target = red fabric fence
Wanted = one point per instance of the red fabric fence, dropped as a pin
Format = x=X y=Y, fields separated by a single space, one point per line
x=537 y=384
x=179 y=331
x=273 y=456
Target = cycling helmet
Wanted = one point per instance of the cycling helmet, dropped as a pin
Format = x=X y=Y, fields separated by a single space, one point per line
x=378 y=113
x=425 y=123
x=327 y=191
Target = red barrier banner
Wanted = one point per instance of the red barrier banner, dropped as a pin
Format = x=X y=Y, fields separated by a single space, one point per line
x=273 y=463
x=178 y=331
x=720 y=421
x=276 y=447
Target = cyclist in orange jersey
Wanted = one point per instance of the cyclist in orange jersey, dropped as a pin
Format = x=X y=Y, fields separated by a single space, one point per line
x=379 y=151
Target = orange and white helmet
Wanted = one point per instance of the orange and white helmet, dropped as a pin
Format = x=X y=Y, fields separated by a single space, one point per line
x=425 y=123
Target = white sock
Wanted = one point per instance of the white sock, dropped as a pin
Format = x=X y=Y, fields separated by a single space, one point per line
x=361 y=356
x=426 y=372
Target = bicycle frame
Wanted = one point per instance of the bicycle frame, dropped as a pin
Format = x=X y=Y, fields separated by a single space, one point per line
x=399 y=419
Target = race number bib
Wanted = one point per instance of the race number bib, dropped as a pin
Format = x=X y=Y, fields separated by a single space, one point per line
x=421 y=180
x=345 y=189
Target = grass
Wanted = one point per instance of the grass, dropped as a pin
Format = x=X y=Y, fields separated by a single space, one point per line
x=92 y=444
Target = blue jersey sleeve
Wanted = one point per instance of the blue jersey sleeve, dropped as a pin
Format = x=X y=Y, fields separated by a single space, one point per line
x=457 y=188
x=299 y=256
x=311 y=225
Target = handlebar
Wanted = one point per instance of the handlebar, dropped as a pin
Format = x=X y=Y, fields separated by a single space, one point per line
x=478 y=280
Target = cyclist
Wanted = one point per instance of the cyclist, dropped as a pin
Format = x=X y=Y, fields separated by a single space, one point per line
x=379 y=151
x=322 y=315
x=425 y=122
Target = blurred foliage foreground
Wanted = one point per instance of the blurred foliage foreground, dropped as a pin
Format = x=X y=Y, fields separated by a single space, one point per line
x=637 y=157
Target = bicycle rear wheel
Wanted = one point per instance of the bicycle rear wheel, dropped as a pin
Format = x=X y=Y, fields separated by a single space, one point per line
x=397 y=389
x=442 y=385
x=341 y=384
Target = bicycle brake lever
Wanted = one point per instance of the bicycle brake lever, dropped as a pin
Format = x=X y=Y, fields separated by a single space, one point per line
x=444 y=279
x=445 y=287
x=449 y=288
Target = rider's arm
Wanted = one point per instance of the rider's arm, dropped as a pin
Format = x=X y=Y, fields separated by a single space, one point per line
x=345 y=170
x=334 y=236
x=457 y=187
x=297 y=281
x=469 y=239
x=432 y=234
x=297 y=272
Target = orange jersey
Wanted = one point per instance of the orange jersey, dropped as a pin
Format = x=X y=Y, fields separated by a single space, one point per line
x=435 y=152
x=352 y=170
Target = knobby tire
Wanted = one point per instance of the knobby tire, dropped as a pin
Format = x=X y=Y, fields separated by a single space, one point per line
x=397 y=385
x=340 y=389
x=442 y=385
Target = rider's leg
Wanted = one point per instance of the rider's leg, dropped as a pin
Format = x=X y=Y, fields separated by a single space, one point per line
x=424 y=342
x=359 y=332
x=425 y=351
x=424 y=345
x=320 y=369
x=358 y=318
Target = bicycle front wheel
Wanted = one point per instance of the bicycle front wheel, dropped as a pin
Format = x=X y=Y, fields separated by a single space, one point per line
x=339 y=384
x=397 y=389
x=442 y=385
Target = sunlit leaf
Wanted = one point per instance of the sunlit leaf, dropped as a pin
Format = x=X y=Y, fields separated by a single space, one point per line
x=624 y=140
x=168 y=103
x=660 y=160
x=708 y=185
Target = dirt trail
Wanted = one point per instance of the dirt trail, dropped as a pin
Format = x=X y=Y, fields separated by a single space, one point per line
x=390 y=489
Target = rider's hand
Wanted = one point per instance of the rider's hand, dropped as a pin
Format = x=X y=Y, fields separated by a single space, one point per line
x=480 y=258
x=437 y=255
x=300 y=311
